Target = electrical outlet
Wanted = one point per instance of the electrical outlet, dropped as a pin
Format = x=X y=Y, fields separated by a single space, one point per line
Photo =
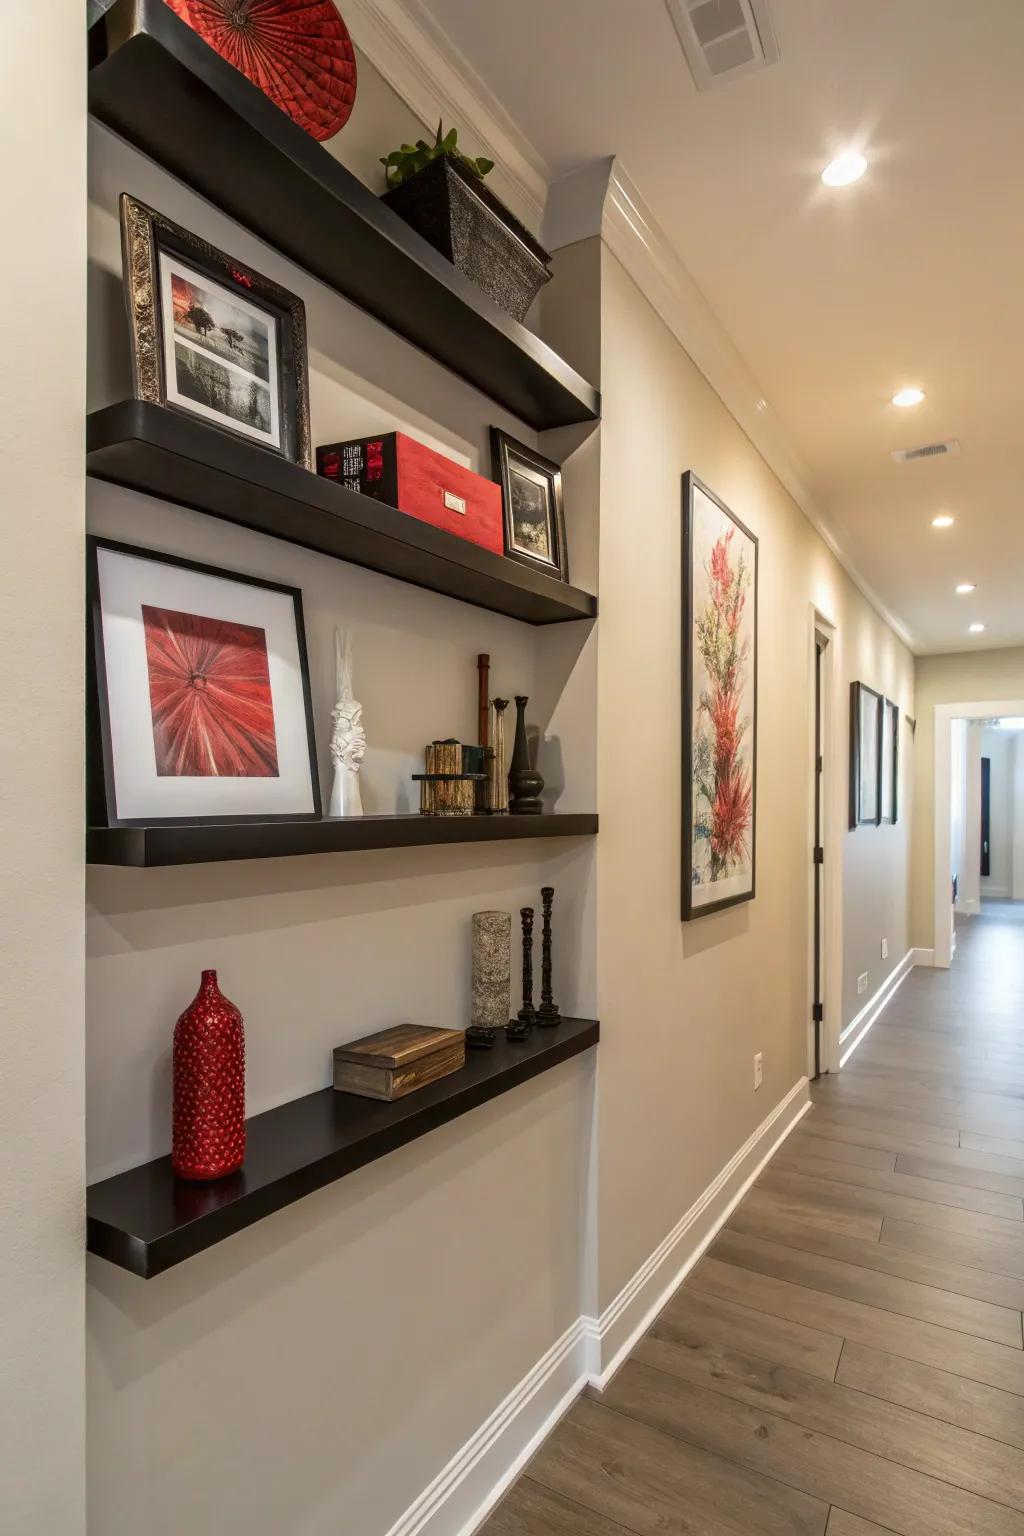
x=885 y=949
x=862 y=983
x=758 y=1070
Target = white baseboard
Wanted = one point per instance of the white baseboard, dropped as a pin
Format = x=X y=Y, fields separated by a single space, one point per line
x=636 y=1306
x=861 y=1022
x=465 y=1491
x=994 y=893
x=923 y=956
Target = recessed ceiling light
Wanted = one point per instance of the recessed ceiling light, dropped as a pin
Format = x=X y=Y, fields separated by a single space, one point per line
x=965 y=586
x=976 y=629
x=907 y=397
x=943 y=520
x=845 y=168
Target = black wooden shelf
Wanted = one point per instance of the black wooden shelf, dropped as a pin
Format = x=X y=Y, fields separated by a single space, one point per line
x=155 y=82
x=157 y=450
x=152 y=847
x=147 y=1221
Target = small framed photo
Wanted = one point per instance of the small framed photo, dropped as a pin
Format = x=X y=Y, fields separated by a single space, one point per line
x=866 y=726
x=531 y=494
x=212 y=338
x=889 y=807
x=199 y=694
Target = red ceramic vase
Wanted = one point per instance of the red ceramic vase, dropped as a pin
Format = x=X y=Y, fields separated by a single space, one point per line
x=298 y=52
x=208 y=1134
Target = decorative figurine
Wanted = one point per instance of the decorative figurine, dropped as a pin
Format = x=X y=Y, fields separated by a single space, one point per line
x=497 y=789
x=492 y=976
x=547 y=1014
x=524 y=782
x=519 y=1028
x=208 y=1122
x=348 y=739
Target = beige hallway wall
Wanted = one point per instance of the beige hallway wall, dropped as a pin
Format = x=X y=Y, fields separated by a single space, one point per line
x=960 y=678
x=685 y=1005
x=42 y=389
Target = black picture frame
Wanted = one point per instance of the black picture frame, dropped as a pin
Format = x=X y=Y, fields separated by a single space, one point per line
x=890 y=712
x=507 y=456
x=101 y=789
x=145 y=235
x=861 y=815
x=689 y=909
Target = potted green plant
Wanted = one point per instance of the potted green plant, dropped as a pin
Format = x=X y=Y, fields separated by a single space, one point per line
x=441 y=193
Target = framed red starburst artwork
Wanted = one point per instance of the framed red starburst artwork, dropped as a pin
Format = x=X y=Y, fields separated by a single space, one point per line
x=719 y=704
x=298 y=52
x=200 y=705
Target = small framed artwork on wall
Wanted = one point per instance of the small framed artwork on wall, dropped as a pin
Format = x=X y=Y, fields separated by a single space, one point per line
x=719 y=704
x=889 y=801
x=199 y=695
x=866 y=710
x=212 y=338
x=531 y=494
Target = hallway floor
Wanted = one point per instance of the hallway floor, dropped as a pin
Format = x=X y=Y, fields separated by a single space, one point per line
x=848 y=1355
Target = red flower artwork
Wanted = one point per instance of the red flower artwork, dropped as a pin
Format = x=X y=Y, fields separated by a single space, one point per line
x=724 y=790
x=209 y=692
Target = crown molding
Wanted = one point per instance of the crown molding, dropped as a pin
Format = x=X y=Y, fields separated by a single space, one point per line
x=420 y=61
x=602 y=199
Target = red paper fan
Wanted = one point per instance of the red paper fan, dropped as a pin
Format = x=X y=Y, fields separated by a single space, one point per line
x=298 y=52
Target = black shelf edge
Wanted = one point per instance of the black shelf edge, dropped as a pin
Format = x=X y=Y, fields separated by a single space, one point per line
x=147 y=1221
x=158 y=85
x=159 y=451
x=152 y=847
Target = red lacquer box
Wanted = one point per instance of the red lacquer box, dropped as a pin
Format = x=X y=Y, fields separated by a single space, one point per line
x=406 y=474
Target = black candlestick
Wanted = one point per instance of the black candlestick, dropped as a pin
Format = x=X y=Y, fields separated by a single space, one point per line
x=524 y=782
x=519 y=1028
x=547 y=1014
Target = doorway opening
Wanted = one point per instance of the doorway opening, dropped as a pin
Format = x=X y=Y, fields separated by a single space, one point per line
x=824 y=842
x=979 y=782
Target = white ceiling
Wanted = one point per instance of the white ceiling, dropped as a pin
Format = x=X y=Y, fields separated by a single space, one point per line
x=835 y=298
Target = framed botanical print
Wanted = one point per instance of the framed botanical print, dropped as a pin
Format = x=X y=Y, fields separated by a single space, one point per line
x=212 y=338
x=719 y=704
x=200 y=705
x=866 y=711
x=889 y=792
x=531 y=495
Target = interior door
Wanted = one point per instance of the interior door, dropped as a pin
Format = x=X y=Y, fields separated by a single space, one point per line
x=819 y=856
x=986 y=780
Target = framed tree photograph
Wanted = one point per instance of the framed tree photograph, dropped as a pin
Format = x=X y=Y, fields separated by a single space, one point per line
x=212 y=338
x=719 y=704
x=866 y=711
x=199 y=696
x=889 y=793
x=531 y=496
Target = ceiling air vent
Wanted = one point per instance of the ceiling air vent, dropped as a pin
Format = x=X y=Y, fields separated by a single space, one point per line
x=724 y=38
x=928 y=451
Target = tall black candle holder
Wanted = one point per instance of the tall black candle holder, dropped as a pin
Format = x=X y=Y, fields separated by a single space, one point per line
x=519 y=1028
x=547 y=1014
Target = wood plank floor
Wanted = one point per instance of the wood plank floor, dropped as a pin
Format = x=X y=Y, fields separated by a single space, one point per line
x=847 y=1359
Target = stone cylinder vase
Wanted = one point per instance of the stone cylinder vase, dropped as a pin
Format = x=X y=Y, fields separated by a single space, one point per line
x=492 y=969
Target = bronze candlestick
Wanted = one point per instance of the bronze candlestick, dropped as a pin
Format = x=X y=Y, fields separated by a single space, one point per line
x=519 y=1028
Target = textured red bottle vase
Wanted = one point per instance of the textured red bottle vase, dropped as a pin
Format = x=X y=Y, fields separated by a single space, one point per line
x=208 y=1134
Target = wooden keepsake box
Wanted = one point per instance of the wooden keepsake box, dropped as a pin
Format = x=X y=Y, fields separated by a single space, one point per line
x=397 y=1061
x=396 y=469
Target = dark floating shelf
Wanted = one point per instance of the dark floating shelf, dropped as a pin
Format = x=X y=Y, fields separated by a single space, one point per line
x=147 y=1221
x=155 y=82
x=157 y=450
x=156 y=846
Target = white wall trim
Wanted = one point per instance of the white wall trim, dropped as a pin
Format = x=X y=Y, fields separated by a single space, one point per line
x=636 y=1306
x=861 y=1022
x=464 y=1491
x=994 y=893
x=923 y=956
x=419 y=60
x=589 y=1352
x=603 y=199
